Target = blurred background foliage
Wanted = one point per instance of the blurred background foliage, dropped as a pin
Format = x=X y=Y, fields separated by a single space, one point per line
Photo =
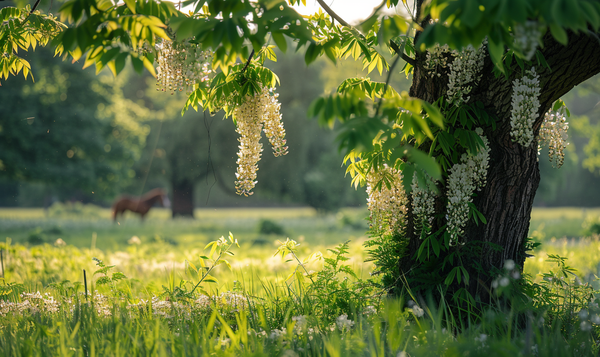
x=73 y=135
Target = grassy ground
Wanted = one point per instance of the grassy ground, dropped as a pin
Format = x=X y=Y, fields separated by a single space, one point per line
x=256 y=308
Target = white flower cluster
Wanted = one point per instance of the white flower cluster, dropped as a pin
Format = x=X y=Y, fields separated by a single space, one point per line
x=437 y=59
x=527 y=36
x=417 y=311
x=554 y=133
x=300 y=324
x=525 y=106
x=181 y=66
x=464 y=178
x=30 y=303
x=343 y=323
x=387 y=206
x=423 y=200
x=465 y=72
x=257 y=113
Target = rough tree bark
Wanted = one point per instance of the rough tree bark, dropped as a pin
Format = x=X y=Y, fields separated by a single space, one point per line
x=513 y=176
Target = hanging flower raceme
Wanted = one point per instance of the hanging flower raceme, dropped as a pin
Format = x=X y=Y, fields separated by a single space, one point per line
x=181 y=66
x=527 y=37
x=437 y=59
x=388 y=205
x=423 y=201
x=525 y=106
x=465 y=72
x=464 y=178
x=257 y=112
x=554 y=133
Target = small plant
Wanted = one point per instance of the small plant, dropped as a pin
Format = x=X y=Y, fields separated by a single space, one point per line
x=106 y=277
x=221 y=247
x=330 y=290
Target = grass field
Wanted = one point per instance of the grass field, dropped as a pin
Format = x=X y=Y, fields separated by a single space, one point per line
x=256 y=308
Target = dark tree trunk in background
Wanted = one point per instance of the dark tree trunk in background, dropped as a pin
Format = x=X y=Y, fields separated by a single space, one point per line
x=513 y=176
x=183 y=198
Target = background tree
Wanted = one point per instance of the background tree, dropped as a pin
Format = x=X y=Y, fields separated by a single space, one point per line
x=76 y=150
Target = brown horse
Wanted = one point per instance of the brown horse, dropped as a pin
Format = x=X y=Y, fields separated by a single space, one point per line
x=140 y=205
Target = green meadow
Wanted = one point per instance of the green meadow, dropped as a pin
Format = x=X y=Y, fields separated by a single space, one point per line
x=155 y=288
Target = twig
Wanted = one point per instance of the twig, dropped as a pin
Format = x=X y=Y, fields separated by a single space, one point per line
x=344 y=23
x=2 y=261
x=333 y=14
x=30 y=12
x=248 y=61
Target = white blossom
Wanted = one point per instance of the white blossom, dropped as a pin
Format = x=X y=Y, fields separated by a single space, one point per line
x=437 y=59
x=527 y=36
x=423 y=200
x=181 y=66
x=525 y=106
x=465 y=73
x=464 y=178
x=554 y=133
x=256 y=113
x=387 y=206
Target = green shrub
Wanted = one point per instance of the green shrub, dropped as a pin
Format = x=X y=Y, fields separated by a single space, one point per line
x=267 y=226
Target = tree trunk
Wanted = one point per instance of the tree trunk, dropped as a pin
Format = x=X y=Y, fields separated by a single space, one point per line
x=183 y=198
x=513 y=175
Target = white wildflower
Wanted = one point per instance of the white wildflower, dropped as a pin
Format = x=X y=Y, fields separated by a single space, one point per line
x=585 y=326
x=277 y=333
x=60 y=242
x=481 y=338
x=369 y=310
x=525 y=106
x=300 y=324
x=343 y=323
x=417 y=311
x=134 y=240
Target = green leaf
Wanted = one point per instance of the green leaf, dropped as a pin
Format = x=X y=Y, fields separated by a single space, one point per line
x=434 y=114
x=424 y=162
x=130 y=5
x=496 y=49
x=559 y=34
x=279 y=39
x=312 y=52
x=120 y=61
